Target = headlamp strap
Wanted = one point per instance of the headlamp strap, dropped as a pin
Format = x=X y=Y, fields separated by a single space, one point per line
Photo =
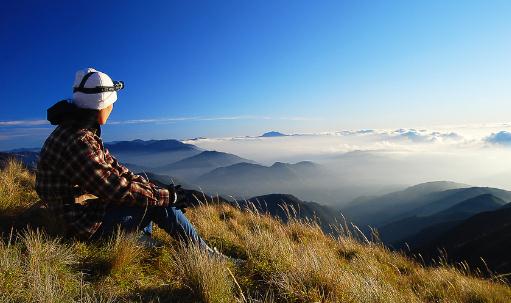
x=84 y=79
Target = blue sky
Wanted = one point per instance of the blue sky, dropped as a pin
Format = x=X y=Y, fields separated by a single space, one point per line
x=227 y=68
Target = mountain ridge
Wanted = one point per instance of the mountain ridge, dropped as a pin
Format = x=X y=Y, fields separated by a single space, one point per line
x=405 y=230
x=485 y=235
x=149 y=145
x=208 y=158
x=271 y=134
x=374 y=211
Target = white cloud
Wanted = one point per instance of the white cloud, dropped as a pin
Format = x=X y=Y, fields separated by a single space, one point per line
x=200 y=118
x=388 y=156
x=320 y=145
x=24 y=123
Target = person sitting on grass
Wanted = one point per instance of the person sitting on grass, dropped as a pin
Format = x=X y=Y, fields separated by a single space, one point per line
x=86 y=187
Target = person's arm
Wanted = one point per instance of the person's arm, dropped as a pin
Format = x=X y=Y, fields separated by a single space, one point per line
x=123 y=170
x=88 y=168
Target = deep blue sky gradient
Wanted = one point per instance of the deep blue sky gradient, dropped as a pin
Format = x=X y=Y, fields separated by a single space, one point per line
x=225 y=68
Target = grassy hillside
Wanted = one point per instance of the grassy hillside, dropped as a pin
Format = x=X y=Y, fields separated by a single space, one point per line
x=293 y=262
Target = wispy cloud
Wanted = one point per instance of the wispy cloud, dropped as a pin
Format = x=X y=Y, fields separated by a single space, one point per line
x=11 y=136
x=24 y=123
x=201 y=118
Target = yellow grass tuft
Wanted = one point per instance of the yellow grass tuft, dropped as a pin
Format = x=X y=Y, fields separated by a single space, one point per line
x=40 y=269
x=207 y=277
x=16 y=188
x=124 y=251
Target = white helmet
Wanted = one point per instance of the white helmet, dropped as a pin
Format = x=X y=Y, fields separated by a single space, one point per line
x=93 y=89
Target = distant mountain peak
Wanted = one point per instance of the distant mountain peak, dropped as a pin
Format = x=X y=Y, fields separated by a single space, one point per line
x=273 y=134
x=243 y=164
x=150 y=145
x=437 y=186
x=483 y=202
x=209 y=159
x=297 y=164
x=440 y=182
x=211 y=154
x=280 y=164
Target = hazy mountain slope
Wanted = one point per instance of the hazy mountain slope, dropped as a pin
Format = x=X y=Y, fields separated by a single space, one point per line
x=481 y=203
x=278 y=171
x=243 y=170
x=199 y=164
x=457 y=195
x=404 y=229
x=149 y=146
x=376 y=211
x=152 y=153
x=486 y=235
x=208 y=159
x=246 y=179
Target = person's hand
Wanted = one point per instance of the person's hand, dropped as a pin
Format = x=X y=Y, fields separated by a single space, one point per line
x=181 y=201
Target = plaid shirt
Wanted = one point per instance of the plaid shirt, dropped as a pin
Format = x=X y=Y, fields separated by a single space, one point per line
x=74 y=162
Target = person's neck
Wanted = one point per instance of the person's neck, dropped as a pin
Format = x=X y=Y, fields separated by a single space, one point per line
x=85 y=118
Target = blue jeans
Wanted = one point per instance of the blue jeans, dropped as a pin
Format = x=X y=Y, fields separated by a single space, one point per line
x=170 y=219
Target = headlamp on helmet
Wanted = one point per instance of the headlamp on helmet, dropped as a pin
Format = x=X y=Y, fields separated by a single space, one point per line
x=118 y=85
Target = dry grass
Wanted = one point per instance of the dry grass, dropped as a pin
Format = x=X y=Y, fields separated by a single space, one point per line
x=16 y=189
x=37 y=268
x=293 y=262
x=207 y=277
x=124 y=252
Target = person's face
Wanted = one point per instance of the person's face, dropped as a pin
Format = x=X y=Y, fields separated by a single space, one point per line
x=104 y=114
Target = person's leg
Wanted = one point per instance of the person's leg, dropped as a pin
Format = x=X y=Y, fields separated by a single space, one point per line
x=170 y=219
x=175 y=223
x=126 y=218
x=148 y=230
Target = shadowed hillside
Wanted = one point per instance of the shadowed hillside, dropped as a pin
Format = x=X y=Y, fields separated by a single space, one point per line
x=485 y=234
x=420 y=200
x=284 y=262
x=400 y=230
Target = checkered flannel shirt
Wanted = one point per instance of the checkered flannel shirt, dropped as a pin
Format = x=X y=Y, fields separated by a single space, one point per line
x=74 y=162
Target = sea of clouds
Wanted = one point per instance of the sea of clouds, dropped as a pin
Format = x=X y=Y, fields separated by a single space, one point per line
x=472 y=154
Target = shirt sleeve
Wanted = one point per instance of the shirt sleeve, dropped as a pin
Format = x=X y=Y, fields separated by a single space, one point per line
x=123 y=170
x=88 y=167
